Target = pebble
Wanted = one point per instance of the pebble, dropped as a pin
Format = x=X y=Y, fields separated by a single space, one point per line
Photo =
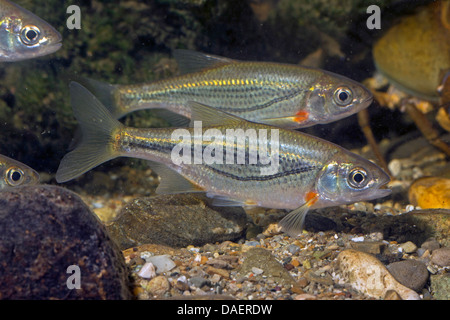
x=47 y=233
x=198 y=282
x=410 y=273
x=395 y=167
x=158 y=286
x=440 y=286
x=430 y=245
x=176 y=220
x=430 y=192
x=358 y=239
x=293 y=249
x=147 y=271
x=373 y=247
x=441 y=257
x=162 y=263
x=392 y=295
x=367 y=274
x=408 y=247
x=263 y=260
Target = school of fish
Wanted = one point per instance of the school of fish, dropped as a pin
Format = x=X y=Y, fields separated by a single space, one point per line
x=310 y=173
x=289 y=170
x=23 y=35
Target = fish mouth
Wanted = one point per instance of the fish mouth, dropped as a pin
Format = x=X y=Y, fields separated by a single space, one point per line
x=48 y=49
x=383 y=189
x=364 y=103
x=382 y=192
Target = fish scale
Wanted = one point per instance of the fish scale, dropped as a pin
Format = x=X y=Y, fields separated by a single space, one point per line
x=232 y=83
x=305 y=171
x=289 y=96
x=296 y=173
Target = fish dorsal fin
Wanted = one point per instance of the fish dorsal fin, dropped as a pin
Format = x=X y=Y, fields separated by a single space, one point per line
x=172 y=182
x=190 y=61
x=211 y=116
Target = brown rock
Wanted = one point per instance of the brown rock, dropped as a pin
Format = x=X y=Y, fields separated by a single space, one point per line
x=176 y=220
x=158 y=286
x=410 y=273
x=47 y=233
x=221 y=272
x=373 y=247
x=441 y=257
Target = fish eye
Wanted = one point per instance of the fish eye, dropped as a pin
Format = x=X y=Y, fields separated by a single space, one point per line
x=343 y=96
x=14 y=176
x=357 y=178
x=30 y=35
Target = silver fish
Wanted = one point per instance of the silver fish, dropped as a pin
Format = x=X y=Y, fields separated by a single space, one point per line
x=14 y=173
x=289 y=96
x=24 y=35
x=300 y=172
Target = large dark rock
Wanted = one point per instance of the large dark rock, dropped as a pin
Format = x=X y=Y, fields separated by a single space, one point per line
x=44 y=230
x=177 y=221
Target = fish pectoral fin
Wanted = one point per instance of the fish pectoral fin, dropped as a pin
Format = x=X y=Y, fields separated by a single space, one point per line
x=300 y=117
x=210 y=116
x=171 y=182
x=294 y=221
x=190 y=61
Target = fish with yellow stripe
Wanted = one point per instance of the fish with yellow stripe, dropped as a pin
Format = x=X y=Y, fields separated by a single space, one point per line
x=14 y=173
x=285 y=95
x=291 y=170
x=23 y=35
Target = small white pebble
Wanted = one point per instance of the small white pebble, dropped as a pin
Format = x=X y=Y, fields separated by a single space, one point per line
x=358 y=239
x=198 y=257
x=147 y=271
x=359 y=206
x=257 y=271
x=395 y=166
x=146 y=254
x=409 y=208
x=98 y=205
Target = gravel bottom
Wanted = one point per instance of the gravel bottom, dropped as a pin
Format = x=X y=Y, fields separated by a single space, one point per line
x=214 y=271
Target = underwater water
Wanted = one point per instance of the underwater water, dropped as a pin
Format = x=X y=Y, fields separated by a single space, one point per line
x=404 y=131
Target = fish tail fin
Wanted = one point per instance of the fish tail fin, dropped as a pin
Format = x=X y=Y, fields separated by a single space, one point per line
x=97 y=127
x=104 y=92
